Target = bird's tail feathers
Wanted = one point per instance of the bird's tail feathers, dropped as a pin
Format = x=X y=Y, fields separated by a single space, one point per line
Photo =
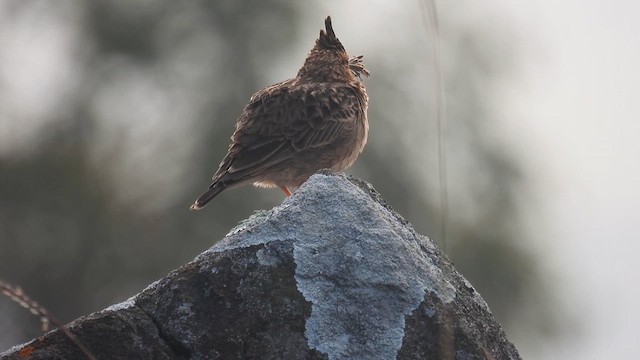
x=213 y=191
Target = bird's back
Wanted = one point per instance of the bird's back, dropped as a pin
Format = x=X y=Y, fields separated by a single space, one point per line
x=290 y=130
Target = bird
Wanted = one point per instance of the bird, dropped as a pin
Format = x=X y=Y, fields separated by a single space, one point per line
x=291 y=129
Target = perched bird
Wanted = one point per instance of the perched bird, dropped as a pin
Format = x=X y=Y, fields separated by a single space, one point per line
x=290 y=130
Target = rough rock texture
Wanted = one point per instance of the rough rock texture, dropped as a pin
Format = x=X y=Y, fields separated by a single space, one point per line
x=332 y=273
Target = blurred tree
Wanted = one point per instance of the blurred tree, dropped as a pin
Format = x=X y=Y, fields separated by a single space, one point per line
x=70 y=234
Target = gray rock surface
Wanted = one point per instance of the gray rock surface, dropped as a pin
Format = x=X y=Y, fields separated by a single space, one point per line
x=332 y=273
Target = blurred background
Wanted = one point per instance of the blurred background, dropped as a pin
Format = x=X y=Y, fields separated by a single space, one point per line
x=115 y=114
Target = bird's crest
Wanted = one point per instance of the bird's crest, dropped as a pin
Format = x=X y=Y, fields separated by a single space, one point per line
x=327 y=39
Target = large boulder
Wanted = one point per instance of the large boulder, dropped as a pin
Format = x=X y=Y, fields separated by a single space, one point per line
x=332 y=273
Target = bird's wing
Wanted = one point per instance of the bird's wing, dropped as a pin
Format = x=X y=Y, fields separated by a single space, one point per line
x=283 y=120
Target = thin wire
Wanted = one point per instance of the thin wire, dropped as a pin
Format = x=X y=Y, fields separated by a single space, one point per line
x=433 y=31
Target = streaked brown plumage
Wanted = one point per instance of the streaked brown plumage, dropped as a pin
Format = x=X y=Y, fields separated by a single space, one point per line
x=292 y=129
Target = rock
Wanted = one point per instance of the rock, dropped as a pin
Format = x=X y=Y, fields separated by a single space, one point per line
x=332 y=273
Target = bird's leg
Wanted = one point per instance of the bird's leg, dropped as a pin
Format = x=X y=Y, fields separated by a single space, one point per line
x=285 y=190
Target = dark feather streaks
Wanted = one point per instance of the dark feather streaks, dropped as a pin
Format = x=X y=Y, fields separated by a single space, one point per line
x=293 y=118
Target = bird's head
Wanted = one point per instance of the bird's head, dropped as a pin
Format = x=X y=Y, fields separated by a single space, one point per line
x=328 y=60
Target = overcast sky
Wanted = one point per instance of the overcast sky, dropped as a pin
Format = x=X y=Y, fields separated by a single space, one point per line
x=578 y=100
x=574 y=111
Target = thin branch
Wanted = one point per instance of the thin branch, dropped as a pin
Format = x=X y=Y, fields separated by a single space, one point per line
x=430 y=19
x=16 y=294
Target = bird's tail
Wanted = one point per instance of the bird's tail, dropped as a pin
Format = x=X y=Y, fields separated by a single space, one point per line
x=214 y=190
